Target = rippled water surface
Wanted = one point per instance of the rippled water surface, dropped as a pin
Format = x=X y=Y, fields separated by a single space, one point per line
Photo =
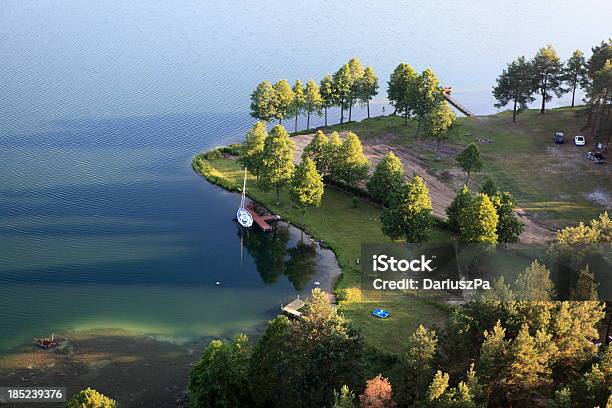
x=102 y=105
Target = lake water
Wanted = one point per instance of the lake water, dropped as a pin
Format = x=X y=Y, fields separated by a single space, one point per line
x=102 y=104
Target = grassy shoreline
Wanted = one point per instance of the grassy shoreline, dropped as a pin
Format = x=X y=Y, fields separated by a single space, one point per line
x=342 y=227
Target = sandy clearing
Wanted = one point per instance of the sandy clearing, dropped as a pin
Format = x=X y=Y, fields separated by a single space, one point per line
x=441 y=193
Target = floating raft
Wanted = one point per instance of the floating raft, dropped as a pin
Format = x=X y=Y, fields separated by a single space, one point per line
x=293 y=308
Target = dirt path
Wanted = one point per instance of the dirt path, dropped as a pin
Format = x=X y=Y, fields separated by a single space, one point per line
x=441 y=194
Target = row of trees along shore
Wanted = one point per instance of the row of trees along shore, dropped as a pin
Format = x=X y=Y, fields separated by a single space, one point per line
x=496 y=350
x=546 y=75
x=351 y=84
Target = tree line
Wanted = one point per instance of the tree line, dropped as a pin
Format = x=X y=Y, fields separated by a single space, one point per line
x=516 y=345
x=351 y=84
x=545 y=75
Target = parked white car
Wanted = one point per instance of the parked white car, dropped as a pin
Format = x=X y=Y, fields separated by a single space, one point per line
x=579 y=140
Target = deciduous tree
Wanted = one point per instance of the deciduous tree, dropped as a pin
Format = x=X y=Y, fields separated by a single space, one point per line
x=479 y=221
x=369 y=87
x=356 y=75
x=409 y=214
x=328 y=93
x=313 y=101
x=353 y=164
x=469 y=160
x=437 y=123
x=283 y=100
x=298 y=102
x=277 y=161
x=263 y=102
x=386 y=179
x=574 y=72
x=251 y=151
x=317 y=151
x=342 y=89
x=377 y=394
x=454 y=211
x=306 y=186
x=401 y=89
x=509 y=227
x=427 y=95
x=90 y=398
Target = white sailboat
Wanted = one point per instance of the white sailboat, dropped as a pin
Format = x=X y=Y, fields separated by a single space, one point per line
x=244 y=217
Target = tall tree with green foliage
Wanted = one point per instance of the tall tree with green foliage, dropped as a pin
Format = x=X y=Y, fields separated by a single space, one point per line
x=492 y=364
x=317 y=151
x=298 y=102
x=427 y=96
x=574 y=72
x=333 y=153
x=284 y=100
x=548 y=71
x=409 y=214
x=386 y=179
x=328 y=93
x=479 y=221
x=534 y=283
x=437 y=122
x=251 y=150
x=306 y=186
x=368 y=88
x=220 y=378
x=342 y=89
x=509 y=227
x=313 y=101
x=401 y=90
x=586 y=286
x=353 y=163
x=417 y=366
x=344 y=399
x=90 y=398
x=516 y=84
x=263 y=102
x=489 y=187
x=454 y=211
x=469 y=160
x=277 y=161
x=357 y=72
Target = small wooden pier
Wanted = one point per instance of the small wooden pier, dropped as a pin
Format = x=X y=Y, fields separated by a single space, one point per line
x=262 y=220
x=293 y=308
x=447 y=94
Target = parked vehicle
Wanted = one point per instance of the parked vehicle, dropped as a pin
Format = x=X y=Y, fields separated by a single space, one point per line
x=579 y=140
x=559 y=138
x=595 y=157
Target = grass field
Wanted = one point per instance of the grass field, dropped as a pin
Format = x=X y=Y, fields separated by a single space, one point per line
x=554 y=184
x=343 y=227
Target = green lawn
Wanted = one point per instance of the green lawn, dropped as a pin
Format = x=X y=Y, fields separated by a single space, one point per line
x=344 y=228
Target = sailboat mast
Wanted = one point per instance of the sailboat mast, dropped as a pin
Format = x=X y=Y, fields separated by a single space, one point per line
x=243 y=188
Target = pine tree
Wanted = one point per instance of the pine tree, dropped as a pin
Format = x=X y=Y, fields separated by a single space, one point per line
x=306 y=186
x=469 y=160
x=479 y=221
x=492 y=363
x=575 y=72
x=251 y=150
x=386 y=179
x=356 y=75
x=90 y=398
x=437 y=123
x=353 y=164
x=328 y=93
x=298 y=102
x=417 y=365
x=438 y=386
x=368 y=87
x=455 y=210
x=342 y=89
x=283 y=100
x=534 y=283
x=317 y=151
x=313 y=101
x=401 y=90
x=586 y=286
x=263 y=102
x=409 y=214
x=277 y=161
x=548 y=73
x=516 y=84
x=344 y=399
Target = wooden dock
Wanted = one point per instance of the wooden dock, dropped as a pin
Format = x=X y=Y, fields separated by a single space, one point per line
x=293 y=308
x=455 y=103
x=262 y=220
